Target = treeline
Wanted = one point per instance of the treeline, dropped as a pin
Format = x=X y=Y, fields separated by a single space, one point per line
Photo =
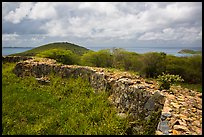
x=149 y=65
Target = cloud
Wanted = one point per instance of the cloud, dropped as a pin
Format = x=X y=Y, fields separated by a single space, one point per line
x=180 y=21
x=42 y=10
x=9 y=37
x=180 y=34
x=19 y=13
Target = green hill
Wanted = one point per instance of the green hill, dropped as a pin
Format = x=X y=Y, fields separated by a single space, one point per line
x=188 y=51
x=62 y=45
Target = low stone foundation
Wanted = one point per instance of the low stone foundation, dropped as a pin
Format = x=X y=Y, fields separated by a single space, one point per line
x=131 y=95
x=14 y=58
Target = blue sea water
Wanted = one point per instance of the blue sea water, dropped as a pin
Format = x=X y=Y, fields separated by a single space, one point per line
x=12 y=50
x=168 y=50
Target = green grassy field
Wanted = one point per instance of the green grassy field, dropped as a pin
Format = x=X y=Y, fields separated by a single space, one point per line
x=65 y=106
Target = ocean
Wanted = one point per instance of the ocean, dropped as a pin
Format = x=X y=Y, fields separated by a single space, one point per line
x=168 y=50
x=12 y=50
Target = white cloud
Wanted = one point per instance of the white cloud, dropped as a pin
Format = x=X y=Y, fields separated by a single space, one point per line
x=19 y=13
x=9 y=37
x=180 y=34
x=43 y=10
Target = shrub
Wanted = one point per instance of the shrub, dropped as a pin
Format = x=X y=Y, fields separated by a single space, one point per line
x=60 y=55
x=189 y=68
x=102 y=58
x=153 y=64
x=125 y=60
x=167 y=80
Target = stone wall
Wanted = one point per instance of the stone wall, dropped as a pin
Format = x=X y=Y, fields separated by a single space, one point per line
x=14 y=58
x=132 y=96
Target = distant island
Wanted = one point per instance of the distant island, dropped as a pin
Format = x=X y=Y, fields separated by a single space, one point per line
x=188 y=51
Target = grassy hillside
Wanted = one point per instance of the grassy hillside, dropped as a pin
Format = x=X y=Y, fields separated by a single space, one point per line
x=63 y=45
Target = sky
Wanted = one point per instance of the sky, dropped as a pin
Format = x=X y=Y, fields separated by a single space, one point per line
x=102 y=24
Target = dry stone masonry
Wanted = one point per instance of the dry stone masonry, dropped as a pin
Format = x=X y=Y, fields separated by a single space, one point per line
x=14 y=58
x=147 y=108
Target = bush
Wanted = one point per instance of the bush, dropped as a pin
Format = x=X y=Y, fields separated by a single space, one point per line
x=167 y=80
x=125 y=60
x=189 y=68
x=60 y=55
x=153 y=64
x=102 y=58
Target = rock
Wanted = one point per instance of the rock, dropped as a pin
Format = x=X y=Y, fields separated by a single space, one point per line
x=43 y=80
x=198 y=131
x=176 y=105
x=183 y=123
x=171 y=97
x=181 y=116
x=163 y=126
x=175 y=132
x=180 y=98
x=193 y=110
x=152 y=86
x=199 y=95
x=163 y=118
x=117 y=100
x=174 y=122
x=198 y=106
x=137 y=81
x=158 y=132
x=150 y=104
x=141 y=86
x=149 y=82
x=180 y=127
x=196 y=123
x=166 y=115
x=184 y=103
x=166 y=109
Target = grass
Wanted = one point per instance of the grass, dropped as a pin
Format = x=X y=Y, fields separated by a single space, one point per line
x=60 y=45
x=196 y=87
x=65 y=106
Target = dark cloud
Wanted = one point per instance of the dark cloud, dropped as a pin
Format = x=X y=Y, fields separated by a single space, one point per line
x=25 y=27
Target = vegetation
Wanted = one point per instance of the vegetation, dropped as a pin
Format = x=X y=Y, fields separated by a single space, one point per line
x=61 y=56
x=188 y=51
x=65 y=106
x=62 y=45
x=149 y=65
x=167 y=80
x=195 y=87
x=153 y=64
x=102 y=58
